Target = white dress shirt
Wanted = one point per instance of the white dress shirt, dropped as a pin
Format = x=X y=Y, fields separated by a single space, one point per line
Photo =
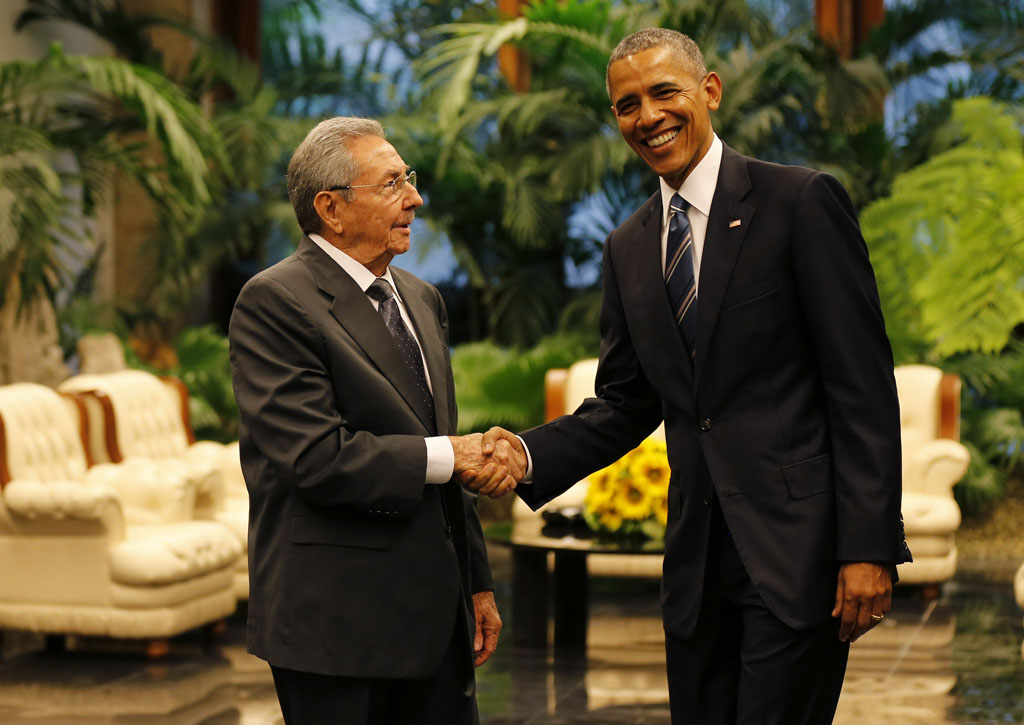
x=440 y=454
x=698 y=190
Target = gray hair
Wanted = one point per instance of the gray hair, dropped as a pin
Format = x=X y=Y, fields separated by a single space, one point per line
x=322 y=161
x=681 y=45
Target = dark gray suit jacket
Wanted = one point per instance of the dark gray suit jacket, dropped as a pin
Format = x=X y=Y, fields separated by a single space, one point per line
x=789 y=413
x=356 y=566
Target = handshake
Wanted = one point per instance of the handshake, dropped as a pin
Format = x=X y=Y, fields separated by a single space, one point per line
x=490 y=463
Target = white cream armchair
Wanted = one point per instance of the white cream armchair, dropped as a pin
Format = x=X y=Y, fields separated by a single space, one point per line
x=104 y=551
x=933 y=462
x=134 y=415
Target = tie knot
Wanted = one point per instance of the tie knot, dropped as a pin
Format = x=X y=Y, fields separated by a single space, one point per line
x=678 y=204
x=380 y=290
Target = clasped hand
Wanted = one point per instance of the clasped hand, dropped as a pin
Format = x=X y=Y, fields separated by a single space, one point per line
x=491 y=463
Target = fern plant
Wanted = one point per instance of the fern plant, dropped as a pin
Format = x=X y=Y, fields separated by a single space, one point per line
x=948 y=251
x=504 y=386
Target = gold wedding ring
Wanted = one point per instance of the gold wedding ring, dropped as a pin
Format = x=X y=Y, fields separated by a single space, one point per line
x=877 y=617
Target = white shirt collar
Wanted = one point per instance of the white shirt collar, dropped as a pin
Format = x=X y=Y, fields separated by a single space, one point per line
x=362 y=276
x=699 y=187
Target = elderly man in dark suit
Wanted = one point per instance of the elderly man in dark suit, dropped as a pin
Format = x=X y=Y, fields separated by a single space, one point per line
x=740 y=308
x=370 y=591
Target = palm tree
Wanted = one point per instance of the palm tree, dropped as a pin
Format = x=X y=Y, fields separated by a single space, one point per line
x=250 y=213
x=66 y=122
x=536 y=156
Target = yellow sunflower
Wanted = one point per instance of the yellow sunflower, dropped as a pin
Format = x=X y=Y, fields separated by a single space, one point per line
x=653 y=469
x=633 y=499
x=611 y=520
x=599 y=497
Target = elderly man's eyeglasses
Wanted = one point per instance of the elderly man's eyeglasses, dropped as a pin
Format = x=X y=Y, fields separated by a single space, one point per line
x=396 y=185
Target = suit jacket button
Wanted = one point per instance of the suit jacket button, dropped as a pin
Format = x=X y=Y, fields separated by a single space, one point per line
x=705 y=424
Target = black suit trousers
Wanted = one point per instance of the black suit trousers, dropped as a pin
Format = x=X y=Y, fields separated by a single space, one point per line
x=447 y=697
x=743 y=666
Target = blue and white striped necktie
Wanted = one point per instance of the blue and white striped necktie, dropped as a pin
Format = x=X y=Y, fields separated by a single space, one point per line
x=679 y=281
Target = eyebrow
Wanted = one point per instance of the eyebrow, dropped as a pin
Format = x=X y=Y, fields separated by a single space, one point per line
x=392 y=173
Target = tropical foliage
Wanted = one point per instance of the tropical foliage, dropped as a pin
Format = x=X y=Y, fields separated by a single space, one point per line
x=948 y=250
x=502 y=386
x=66 y=123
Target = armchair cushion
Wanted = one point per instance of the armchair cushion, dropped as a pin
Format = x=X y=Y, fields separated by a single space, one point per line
x=149 y=491
x=934 y=467
x=930 y=515
x=60 y=499
x=152 y=555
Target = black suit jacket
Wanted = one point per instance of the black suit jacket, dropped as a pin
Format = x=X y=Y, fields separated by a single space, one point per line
x=356 y=566
x=788 y=413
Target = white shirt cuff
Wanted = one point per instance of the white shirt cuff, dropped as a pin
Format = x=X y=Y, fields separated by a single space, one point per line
x=440 y=459
x=528 y=476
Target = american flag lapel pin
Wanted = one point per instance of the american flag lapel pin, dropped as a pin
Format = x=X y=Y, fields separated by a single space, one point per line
x=734 y=223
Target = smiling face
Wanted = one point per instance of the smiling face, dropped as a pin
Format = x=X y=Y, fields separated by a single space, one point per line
x=373 y=228
x=662 y=109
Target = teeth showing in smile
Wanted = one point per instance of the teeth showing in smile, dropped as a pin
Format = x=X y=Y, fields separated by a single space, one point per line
x=662 y=139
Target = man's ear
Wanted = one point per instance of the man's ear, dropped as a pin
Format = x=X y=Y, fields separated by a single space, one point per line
x=328 y=208
x=713 y=89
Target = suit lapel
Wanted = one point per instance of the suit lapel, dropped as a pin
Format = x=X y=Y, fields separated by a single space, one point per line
x=354 y=312
x=434 y=349
x=722 y=244
x=651 y=277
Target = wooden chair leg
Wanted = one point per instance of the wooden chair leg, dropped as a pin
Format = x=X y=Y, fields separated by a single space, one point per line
x=214 y=632
x=931 y=592
x=157 y=649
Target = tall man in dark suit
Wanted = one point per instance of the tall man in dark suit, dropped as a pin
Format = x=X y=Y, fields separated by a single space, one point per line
x=740 y=307
x=369 y=584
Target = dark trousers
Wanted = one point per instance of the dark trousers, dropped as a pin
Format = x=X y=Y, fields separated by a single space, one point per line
x=743 y=666
x=447 y=697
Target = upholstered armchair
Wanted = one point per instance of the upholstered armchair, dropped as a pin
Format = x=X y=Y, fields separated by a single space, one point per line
x=110 y=550
x=564 y=390
x=933 y=462
x=135 y=415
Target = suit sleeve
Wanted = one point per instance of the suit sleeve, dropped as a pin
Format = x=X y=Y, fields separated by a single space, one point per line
x=603 y=429
x=839 y=297
x=287 y=411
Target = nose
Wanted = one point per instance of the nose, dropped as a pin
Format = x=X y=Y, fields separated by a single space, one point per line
x=650 y=113
x=412 y=197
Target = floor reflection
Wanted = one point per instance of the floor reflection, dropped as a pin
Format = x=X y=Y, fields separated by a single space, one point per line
x=954 y=660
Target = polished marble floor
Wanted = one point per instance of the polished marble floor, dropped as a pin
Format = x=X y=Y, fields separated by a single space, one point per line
x=953 y=660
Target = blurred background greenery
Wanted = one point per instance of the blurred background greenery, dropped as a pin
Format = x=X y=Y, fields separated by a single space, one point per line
x=523 y=172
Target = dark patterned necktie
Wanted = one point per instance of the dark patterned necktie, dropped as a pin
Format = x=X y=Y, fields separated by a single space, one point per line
x=679 y=281
x=381 y=291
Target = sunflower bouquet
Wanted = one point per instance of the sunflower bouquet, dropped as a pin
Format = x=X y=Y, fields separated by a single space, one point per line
x=630 y=497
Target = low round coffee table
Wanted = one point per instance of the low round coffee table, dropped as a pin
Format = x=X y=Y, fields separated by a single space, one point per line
x=530 y=543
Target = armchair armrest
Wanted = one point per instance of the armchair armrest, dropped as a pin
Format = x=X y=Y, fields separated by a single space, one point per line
x=206 y=479
x=150 y=491
x=935 y=467
x=61 y=500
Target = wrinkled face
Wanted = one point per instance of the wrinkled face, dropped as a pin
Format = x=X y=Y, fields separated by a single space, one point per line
x=663 y=110
x=375 y=224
